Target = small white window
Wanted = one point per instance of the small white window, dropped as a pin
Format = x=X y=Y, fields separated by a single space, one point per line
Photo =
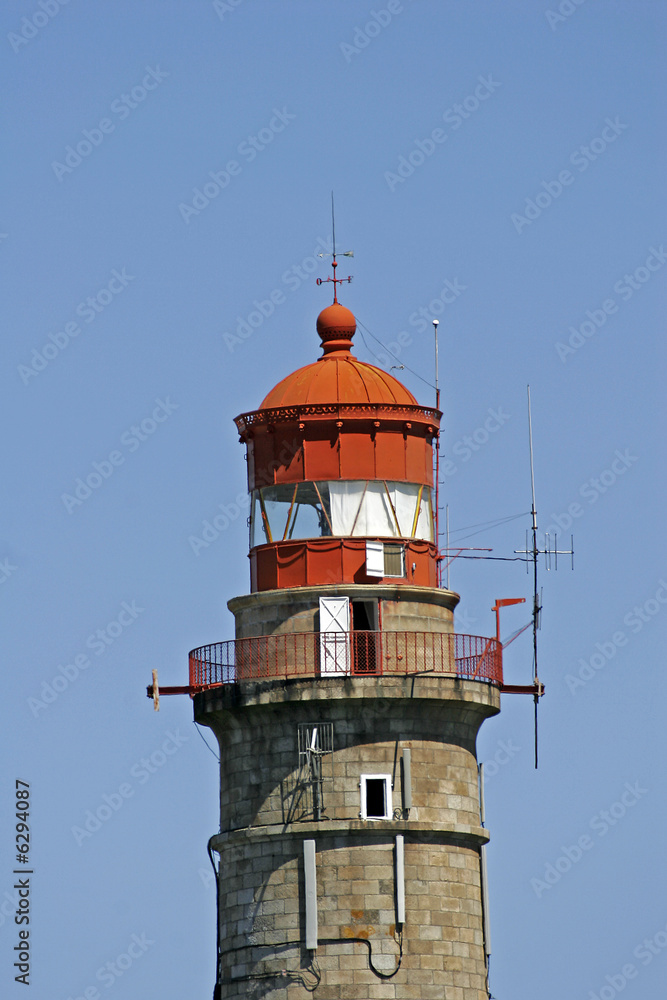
x=376 y=796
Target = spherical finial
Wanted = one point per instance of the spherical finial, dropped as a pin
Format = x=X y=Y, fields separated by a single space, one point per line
x=336 y=326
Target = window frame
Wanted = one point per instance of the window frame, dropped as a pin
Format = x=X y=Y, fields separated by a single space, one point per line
x=394 y=545
x=278 y=509
x=363 y=812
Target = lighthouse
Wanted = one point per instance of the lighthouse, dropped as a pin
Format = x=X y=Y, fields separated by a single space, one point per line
x=350 y=851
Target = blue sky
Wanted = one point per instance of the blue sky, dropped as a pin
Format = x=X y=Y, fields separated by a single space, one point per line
x=512 y=150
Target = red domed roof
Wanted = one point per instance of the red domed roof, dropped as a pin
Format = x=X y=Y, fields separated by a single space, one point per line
x=338 y=380
x=338 y=377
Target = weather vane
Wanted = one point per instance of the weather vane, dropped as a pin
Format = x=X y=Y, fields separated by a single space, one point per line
x=334 y=262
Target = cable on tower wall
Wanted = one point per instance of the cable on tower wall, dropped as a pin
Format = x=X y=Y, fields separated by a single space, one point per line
x=381 y=975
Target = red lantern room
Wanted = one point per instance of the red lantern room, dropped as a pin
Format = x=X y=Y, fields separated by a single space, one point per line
x=340 y=471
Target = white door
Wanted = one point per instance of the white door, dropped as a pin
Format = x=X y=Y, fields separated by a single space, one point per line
x=334 y=636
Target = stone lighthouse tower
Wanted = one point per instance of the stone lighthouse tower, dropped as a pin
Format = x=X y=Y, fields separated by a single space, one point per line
x=346 y=708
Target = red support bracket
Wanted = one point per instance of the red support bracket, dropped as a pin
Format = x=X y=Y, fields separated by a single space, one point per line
x=183 y=689
x=504 y=602
x=537 y=690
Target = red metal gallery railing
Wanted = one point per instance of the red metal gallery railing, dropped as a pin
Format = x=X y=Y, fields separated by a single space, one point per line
x=339 y=654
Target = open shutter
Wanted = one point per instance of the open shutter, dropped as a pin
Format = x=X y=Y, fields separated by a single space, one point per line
x=334 y=636
x=374 y=559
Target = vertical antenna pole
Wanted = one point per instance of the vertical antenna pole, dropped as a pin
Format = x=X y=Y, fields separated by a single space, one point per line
x=447 y=530
x=333 y=238
x=437 y=386
x=535 y=553
x=437 y=469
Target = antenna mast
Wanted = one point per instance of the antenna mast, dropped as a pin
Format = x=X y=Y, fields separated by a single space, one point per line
x=447 y=540
x=532 y=554
x=437 y=467
x=535 y=552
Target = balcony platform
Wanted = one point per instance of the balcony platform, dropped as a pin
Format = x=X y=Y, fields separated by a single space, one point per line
x=320 y=655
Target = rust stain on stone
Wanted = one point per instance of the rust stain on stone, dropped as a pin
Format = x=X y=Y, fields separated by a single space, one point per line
x=358 y=932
